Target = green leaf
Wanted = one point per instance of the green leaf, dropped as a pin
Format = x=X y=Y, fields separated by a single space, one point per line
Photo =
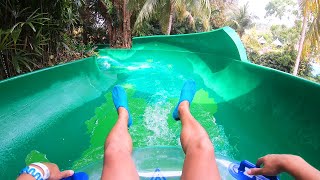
x=32 y=27
x=19 y=23
x=4 y=42
x=15 y=63
x=15 y=35
x=26 y=64
x=146 y=12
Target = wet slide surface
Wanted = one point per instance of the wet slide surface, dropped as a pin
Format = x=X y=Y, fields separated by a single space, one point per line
x=63 y=114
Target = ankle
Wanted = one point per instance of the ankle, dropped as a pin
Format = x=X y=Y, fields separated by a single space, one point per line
x=183 y=108
x=123 y=113
x=184 y=105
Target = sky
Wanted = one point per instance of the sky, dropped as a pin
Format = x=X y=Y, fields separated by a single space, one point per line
x=257 y=7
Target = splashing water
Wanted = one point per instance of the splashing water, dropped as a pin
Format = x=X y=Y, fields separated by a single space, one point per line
x=155 y=120
x=153 y=89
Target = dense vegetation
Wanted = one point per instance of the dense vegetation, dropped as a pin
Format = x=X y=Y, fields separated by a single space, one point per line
x=36 y=34
x=299 y=43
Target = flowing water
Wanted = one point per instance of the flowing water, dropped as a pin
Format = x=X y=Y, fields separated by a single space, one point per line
x=153 y=89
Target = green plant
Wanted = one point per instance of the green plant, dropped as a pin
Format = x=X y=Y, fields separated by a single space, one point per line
x=281 y=60
x=310 y=38
x=165 y=10
x=31 y=34
x=241 y=19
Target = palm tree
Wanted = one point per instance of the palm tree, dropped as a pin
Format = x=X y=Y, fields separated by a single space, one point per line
x=166 y=9
x=242 y=19
x=117 y=17
x=310 y=37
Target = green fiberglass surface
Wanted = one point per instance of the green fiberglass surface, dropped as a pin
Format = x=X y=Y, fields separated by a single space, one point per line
x=63 y=114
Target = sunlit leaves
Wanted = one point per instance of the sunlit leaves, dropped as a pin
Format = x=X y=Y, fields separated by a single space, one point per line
x=182 y=9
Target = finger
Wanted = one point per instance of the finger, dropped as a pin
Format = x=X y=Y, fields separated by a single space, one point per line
x=66 y=173
x=255 y=171
x=260 y=161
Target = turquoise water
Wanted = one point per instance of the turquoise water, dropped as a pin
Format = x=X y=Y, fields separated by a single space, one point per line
x=153 y=87
x=157 y=82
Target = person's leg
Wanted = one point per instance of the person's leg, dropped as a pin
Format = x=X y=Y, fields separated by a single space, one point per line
x=118 y=163
x=200 y=160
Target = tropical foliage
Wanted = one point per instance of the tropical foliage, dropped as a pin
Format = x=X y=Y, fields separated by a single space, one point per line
x=310 y=37
x=33 y=34
x=280 y=8
x=287 y=35
x=241 y=19
x=165 y=10
x=282 y=60
x=261 y=46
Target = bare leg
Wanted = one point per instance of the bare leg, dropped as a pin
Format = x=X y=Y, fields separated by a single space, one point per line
x=200 y=160
x=118 y=163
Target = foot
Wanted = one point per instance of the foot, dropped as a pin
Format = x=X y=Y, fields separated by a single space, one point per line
x=187 y=93
x=119 y=97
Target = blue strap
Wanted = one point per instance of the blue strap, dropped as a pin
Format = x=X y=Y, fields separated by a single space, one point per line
x=33 y=172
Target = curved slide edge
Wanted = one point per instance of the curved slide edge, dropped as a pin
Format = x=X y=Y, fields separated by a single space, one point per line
x=224 y=42
x=27 y=84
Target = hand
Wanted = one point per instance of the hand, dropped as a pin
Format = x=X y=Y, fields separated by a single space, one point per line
x=55 y=173
x=273 y=164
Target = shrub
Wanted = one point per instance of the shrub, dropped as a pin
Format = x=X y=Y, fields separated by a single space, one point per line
x=283 y=60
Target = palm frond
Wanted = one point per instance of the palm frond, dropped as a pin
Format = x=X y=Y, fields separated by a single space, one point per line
x=206 y=7
x=135 y=5
x=311 y=10
x=206 y=24
x=181 y=11
x=200 y=8
x=146 y=12
x=241 y=19
x=164 y=20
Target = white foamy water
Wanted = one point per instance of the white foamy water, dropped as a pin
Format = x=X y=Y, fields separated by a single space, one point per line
x=155 y=120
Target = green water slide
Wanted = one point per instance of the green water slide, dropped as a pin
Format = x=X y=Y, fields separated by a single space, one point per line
x=62 y=114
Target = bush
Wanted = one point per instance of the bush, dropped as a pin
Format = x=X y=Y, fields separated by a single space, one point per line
x=281 y=60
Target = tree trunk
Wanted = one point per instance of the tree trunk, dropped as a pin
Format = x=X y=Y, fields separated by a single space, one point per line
x=301 y=42
x=170 y=17
x=118 y=25
x=240 y=34
x=126 y=26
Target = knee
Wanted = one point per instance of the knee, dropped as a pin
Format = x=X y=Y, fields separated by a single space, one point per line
x=203 y=145
x=111 y=149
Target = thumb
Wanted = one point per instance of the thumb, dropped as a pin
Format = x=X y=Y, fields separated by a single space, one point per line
x=255 y=171
x=66 y=173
